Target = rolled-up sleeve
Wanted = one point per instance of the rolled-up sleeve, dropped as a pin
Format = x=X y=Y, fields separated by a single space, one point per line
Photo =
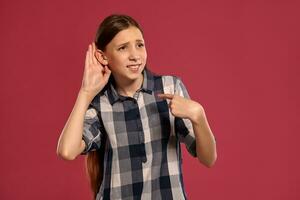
x=184 y=127
x=93 y=130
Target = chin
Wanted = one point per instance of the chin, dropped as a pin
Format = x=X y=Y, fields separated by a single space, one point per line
x=134 y=77
x=135 y=73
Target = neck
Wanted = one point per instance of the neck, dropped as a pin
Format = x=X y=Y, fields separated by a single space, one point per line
x=128 y=88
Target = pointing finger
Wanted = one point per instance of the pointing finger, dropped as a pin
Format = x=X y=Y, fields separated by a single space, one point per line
x=165 y=96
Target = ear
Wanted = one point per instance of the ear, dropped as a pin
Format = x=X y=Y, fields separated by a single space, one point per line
x=101 y=57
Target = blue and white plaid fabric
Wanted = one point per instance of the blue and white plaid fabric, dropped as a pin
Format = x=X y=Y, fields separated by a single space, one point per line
x=142 y=158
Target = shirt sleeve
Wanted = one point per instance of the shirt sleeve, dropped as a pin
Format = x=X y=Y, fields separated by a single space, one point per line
x=93 y=130
x=183 y=127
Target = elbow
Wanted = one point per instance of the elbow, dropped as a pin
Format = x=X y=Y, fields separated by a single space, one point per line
x=212 y=162
x=64 y=154
x=208 y=163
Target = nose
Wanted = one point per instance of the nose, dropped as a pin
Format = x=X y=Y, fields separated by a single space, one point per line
x=133 y=54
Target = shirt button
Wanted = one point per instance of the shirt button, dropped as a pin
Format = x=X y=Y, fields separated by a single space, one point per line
x=144 y=159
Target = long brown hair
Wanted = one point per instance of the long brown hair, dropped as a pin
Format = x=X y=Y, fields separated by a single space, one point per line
x=107 y=30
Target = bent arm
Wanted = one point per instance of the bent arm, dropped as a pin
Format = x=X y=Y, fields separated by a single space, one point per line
x=205 y=140
x=70 y=143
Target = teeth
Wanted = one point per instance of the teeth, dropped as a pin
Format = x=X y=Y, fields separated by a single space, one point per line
x=133 y=66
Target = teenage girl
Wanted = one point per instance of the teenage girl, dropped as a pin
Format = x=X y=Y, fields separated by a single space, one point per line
x=130 y=122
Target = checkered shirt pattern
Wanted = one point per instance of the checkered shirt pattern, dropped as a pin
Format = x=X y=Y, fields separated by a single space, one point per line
x=141 y=138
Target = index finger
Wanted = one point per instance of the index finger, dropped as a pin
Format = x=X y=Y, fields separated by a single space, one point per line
x=165 y=96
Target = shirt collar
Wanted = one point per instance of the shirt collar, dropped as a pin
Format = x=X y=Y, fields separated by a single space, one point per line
x=147 y=86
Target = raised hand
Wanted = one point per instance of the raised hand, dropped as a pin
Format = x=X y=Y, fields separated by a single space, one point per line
x=96 y=73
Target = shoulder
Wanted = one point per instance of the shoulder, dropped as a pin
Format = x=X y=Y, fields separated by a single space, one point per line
x=173 y=84
x=173 y=81
x=168 y=82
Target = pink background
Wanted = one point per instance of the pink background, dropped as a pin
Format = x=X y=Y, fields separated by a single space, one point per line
x=239 y=59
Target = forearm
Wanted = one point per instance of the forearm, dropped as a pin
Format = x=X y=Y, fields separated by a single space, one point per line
x=205 y=140
x=69 y=142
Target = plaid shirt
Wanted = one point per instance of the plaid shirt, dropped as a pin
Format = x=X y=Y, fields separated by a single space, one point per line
x=141 y=137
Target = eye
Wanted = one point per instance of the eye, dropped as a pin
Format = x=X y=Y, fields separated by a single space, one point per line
x=122 y=48
x=141 y=45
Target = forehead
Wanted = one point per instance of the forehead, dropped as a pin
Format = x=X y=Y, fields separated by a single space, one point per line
x=130 y=34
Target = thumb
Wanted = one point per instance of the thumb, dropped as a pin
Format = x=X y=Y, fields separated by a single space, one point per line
x=107 y=72
x=107 y=69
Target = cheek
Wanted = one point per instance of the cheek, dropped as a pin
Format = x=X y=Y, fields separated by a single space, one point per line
x=117 y=59
x=144 y=55
x=117 y=62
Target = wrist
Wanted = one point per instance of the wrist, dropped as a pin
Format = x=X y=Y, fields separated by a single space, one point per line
x=86 y=96
x=198 y=114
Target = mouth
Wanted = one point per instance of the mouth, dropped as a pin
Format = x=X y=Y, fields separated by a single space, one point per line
x=134 y=68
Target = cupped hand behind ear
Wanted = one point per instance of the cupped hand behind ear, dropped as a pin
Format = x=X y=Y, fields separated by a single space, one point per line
x=96 y=74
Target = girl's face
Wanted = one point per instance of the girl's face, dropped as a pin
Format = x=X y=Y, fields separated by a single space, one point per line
x=126 y=54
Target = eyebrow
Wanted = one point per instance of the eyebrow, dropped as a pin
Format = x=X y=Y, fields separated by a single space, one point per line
x=138 y=40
